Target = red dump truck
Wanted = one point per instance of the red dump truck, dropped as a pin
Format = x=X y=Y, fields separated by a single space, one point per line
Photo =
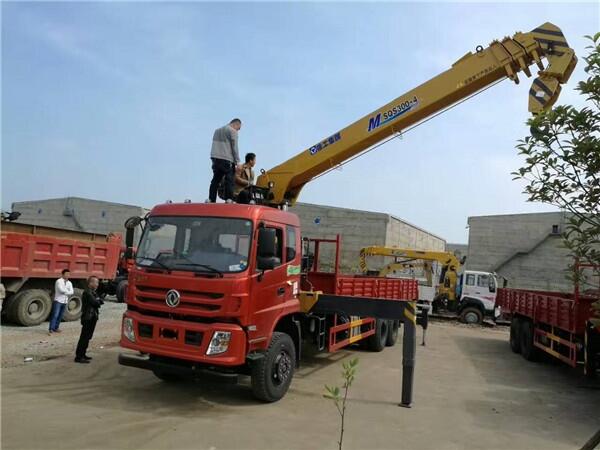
x=233 y=289
x=33 y=258
x=564 y=326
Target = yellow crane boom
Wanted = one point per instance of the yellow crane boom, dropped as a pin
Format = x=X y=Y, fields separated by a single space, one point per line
x=467 y=76
x=448 y=261
x=444 y=258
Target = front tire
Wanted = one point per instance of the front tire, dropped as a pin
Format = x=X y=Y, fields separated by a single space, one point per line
x=515 y=335
x=471 y=315
x=271 y=375
x=73 y=309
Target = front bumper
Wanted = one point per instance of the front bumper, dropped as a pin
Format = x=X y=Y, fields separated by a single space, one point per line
x=188 y=341
x=188 y=371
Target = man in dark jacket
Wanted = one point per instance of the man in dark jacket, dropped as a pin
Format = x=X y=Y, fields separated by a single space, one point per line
x=90 y=310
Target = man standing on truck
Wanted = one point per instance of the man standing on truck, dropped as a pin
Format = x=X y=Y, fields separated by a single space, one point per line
x=63 y=289
x=244 y=178
x=225 y=155
x=90 y=310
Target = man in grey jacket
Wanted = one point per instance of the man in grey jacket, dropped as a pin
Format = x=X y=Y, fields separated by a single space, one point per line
x=225 y=156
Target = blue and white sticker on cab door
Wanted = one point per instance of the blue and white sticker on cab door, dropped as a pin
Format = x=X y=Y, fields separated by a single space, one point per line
x=392 y=114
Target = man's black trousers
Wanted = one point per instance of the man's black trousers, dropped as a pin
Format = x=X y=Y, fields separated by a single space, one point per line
x=222 y=171
x=87 y=331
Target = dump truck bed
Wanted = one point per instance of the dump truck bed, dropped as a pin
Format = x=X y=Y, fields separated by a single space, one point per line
x=30 y=251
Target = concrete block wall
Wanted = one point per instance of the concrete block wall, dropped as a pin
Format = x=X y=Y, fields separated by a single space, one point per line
x=79 y=214
x=403 y=234
x=357 y=228
x=361 y=229
x=458 y=249
x=522 y=248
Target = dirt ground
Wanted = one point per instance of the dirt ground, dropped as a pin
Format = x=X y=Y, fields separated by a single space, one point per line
x=470 y=392
x=21 y=344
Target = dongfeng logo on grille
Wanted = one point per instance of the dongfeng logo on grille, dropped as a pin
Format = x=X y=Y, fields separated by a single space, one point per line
x=172 y=298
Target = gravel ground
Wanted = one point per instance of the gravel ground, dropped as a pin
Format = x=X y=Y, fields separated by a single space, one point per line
x=19 y=343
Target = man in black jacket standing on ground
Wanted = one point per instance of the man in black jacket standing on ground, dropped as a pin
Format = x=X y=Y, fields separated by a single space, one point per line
x=90 y=310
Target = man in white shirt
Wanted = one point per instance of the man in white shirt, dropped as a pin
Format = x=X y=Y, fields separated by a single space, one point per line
x=63 y=289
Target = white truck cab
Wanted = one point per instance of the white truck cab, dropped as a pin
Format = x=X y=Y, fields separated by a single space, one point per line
x=476 y=292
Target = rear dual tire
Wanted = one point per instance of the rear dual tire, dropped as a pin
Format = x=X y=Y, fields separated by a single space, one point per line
x=515 y=335
x=378 y=341
x=73 y=308
x=528 y=350
x=121 y=291
x=29 y=307
x=392 y=337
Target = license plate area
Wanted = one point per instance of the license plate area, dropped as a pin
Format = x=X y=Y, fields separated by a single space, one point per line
x=168 y=333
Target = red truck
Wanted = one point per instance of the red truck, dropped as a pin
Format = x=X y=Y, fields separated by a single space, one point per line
x=226 y=287
x=564 y=326
x=33 y=258
x=221 y=285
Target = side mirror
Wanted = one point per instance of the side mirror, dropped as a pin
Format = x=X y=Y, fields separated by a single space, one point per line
x=492 y=285
x=267 y=249
x=267 y=243
x=267 y=262
x=129 y=253
x=133 y=222
x=129 y=233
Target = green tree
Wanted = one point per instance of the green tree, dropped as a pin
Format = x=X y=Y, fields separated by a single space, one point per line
x=562 y=162
x=339 y=398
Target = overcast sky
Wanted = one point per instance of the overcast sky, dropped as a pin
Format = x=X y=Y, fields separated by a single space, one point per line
x=118 y=101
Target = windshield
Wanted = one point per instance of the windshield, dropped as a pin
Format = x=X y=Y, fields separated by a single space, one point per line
x=199 y=244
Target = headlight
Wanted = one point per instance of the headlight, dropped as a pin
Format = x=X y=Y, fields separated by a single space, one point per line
x=497 y=311
x=219 y=342
x=128 y=329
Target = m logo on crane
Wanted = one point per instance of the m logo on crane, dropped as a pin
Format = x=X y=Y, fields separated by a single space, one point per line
x=393 y=113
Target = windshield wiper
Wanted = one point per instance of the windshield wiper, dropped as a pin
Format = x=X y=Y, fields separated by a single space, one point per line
x=210 y=268
x=161 y=264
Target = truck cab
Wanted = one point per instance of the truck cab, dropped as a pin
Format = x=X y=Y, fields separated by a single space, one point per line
x=211 y=282
x=476 y=292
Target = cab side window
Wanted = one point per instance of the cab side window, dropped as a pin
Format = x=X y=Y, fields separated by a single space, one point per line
x=290 y=246
x=483 y=281
x=470 y=280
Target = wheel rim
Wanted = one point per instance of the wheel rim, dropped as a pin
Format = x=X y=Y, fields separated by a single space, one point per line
x=471 y=317
x=35 y=308
x=282 y=368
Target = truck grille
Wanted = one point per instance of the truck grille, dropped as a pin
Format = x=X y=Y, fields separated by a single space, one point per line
x=190 y=300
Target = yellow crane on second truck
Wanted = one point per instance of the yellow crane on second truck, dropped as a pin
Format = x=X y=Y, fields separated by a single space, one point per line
x=450 y=265
x=469 y=293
